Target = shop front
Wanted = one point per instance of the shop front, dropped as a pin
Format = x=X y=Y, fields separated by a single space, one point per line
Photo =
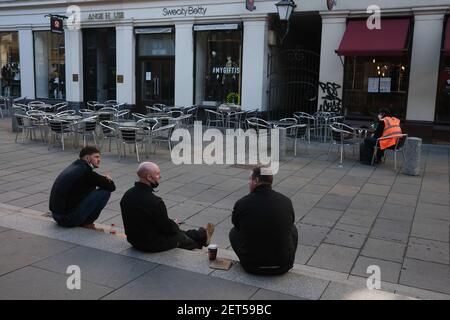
x=376 y=71
x=218 y=64
x=9 y=64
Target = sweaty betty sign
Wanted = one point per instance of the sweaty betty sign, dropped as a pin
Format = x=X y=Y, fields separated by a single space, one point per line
x=186 y=11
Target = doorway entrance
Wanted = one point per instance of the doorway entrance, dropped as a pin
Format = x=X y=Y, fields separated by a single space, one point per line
x=99 y=56
x=156 y=82
x=155 y=69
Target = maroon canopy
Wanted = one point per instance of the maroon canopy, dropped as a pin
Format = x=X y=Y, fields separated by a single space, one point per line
x=390 y=40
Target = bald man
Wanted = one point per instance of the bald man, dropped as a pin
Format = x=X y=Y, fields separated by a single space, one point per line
x=147 y=225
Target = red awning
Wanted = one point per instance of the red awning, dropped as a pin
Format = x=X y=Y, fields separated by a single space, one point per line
x=390 y=40
x=447 y=39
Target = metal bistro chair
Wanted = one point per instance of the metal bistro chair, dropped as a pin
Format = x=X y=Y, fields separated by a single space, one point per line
x=237 y=119
x=122 y=114
x=62 y=106
x=257 y=124
x=147 y=125
x=398 y=147
x=163 y=135
x=25 y=124
x=214 y=118
x=139 y=116
x=90 y=105
x=109 y=131
x=153 y=109
x=3 y=105
x=86 y=128
x=295 y=132
x=194 y=112
x=129 y=136
x=342 y=135
x=309 y=120
x=59 y=128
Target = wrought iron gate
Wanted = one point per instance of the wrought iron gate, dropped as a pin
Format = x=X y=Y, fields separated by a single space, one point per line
x=293 y=77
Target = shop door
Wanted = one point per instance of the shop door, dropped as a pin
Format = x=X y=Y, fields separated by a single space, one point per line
x=99 y=64
x=157 y=81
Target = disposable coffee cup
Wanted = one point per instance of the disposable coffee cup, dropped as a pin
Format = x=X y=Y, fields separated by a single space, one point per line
x=212 y=252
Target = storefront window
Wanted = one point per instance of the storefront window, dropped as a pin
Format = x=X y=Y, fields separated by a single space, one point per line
x=443 y=99
x=9 y=64
x=218 y=67
x=49 y=53
x=372 y=83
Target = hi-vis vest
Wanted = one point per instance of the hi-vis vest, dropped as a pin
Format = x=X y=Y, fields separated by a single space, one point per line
x=391 y=127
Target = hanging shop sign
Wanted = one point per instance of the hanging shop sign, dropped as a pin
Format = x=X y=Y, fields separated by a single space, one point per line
x=56 y=24
x=331 y=4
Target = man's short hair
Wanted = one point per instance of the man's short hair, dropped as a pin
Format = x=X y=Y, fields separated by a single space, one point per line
x=87 y=151
x=263 y=178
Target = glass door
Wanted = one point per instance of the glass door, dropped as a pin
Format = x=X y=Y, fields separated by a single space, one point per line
x=157 y=83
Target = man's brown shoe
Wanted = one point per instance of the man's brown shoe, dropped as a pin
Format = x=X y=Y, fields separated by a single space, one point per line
x=209 y=232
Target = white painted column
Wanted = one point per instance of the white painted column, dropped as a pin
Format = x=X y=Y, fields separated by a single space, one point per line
x=74 y=65
x=331 y=67
x=126 y=64
x=184 y=64
x=26 y=63
x=254 y=65
x=423 y=80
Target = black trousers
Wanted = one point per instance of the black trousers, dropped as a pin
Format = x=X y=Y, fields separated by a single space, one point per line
x=367 y=151
x=191 y=239
x=236 y=243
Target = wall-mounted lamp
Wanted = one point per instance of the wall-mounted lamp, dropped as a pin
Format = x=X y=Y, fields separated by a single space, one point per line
x=285 y=9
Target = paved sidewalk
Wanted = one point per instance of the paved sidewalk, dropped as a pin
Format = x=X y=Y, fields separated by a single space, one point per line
x=348 y=218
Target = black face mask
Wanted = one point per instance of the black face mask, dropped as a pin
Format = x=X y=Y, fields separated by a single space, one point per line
x=154 y=185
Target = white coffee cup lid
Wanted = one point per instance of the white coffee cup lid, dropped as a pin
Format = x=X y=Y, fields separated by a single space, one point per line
x=213 y=246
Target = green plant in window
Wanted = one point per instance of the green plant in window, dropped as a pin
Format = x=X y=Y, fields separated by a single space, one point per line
x=234 y=97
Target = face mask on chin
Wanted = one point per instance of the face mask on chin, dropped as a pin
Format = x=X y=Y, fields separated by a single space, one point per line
x=154 y=185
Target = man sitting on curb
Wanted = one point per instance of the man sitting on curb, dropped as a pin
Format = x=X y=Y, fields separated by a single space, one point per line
x=264 y=236
x=79 y=194
x=147 y=225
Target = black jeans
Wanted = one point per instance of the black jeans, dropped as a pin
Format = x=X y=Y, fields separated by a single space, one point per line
x=191 y=239
x=236 y=243
x=87 y=212
x=368 y=147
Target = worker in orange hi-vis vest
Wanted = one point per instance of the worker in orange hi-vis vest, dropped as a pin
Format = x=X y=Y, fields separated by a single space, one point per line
x=387 y=126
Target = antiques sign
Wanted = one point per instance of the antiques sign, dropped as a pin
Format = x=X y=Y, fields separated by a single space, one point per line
x=106 y=16
x=185 y=11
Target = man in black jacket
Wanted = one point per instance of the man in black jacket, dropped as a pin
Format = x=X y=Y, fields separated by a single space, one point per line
x=79 y=194
x=147 y=225
x=264 y=236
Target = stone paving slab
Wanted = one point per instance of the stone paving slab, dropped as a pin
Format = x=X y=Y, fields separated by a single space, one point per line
x=290 y=284
x=334 y=257
x=345 y=239
x=426 y=275
x=339 y=291
x=390 y=271
x=36 y=284
x=382 y=249
x=428 y=250
x=97 y=266
x=163 y=283
x=18 y=249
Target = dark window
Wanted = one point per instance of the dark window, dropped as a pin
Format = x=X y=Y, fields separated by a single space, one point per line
x=371 y=83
